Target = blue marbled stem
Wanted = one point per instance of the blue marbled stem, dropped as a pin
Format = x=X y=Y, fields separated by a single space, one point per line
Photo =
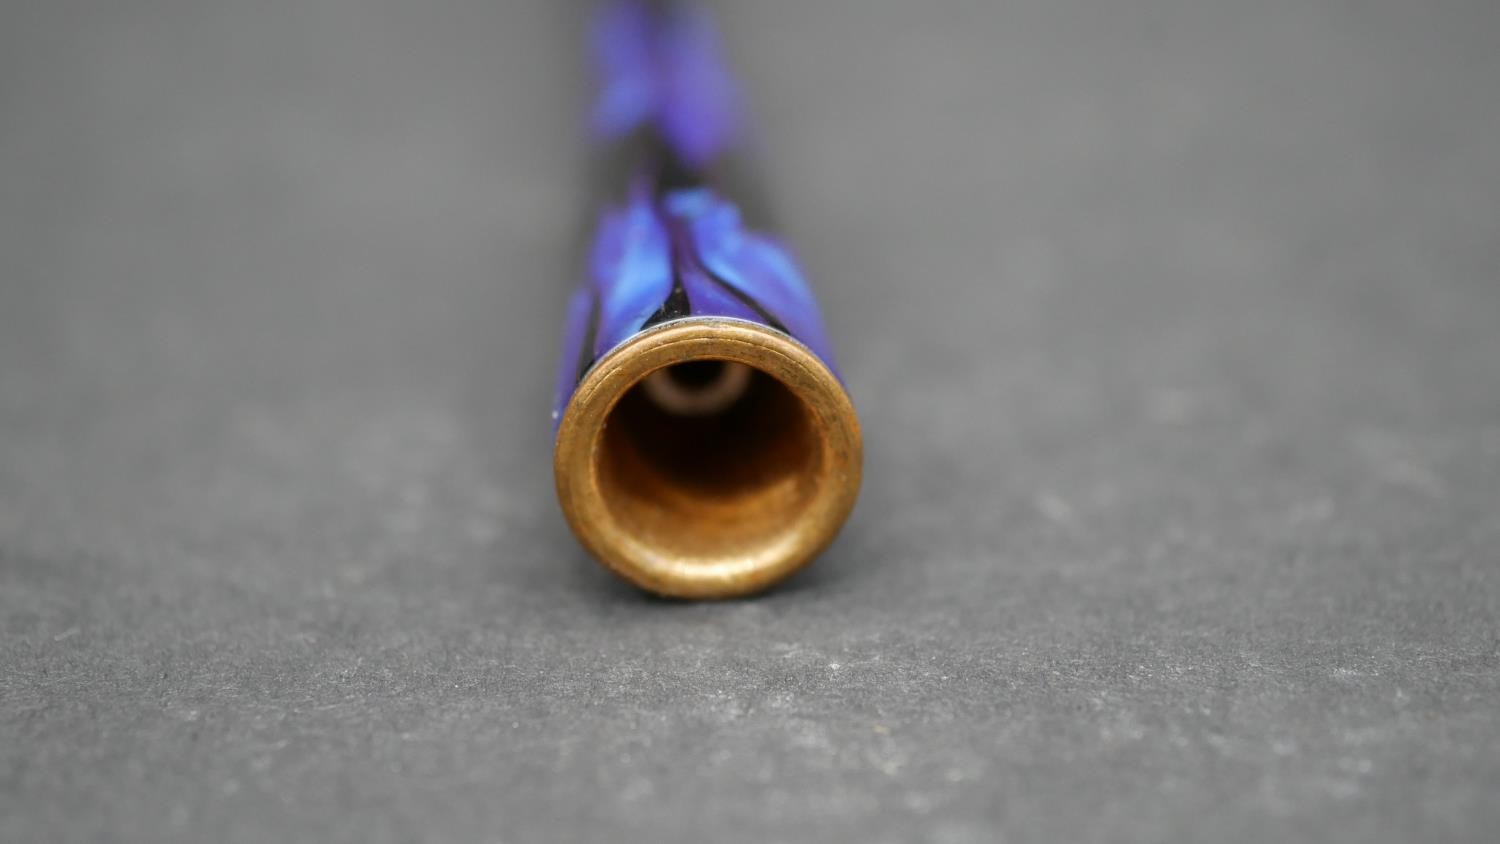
x=672 y=243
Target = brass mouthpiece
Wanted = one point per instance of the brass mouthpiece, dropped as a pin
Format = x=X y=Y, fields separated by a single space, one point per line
x=708 y=458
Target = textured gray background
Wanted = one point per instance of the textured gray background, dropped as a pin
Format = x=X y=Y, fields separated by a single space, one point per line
x=1173 y=326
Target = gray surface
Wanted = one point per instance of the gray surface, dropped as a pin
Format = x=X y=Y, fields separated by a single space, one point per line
x=1173 y=327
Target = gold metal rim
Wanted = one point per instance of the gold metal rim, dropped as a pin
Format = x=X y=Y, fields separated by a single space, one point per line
x=828 y=481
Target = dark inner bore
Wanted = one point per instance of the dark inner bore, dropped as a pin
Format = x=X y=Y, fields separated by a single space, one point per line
x=714 y=485
x=696 y=374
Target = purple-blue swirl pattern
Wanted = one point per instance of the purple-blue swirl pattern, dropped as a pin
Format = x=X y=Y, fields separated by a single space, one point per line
x=630 y=268
x=663 y=69
x=678 y=250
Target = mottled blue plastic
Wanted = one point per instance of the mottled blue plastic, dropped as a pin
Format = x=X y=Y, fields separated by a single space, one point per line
x=678 y=250
x=663 y=67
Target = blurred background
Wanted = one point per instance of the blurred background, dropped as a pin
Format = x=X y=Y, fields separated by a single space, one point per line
x=1172 y=326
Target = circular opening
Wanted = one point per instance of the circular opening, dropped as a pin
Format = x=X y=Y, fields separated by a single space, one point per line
x=708 y=460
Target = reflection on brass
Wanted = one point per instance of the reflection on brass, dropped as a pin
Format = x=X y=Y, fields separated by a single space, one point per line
x=716 y=505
